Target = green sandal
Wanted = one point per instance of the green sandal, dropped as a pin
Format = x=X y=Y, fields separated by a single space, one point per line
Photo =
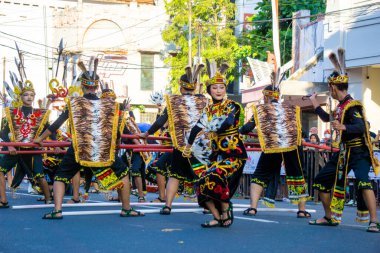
x=230 y=217
x=329 y=222
x=4 y=205
x=53 y=215
x=128 y=213
x=209 y=225
x=373 y=227
x=166 y=210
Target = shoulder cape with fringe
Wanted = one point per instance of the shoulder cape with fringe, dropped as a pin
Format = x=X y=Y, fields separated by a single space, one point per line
x=278 y=127
x=94 y=127
x=184 y=112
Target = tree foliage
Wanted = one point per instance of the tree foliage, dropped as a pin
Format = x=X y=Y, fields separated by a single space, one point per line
x=210 y=20
x=258 y=41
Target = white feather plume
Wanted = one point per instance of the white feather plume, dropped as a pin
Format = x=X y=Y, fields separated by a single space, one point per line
x=157 y=98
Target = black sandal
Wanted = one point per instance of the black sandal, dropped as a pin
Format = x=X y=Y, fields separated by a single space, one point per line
x=128 y=213
x=373 y=227
x=306 y=214
x=141 y=199
x=53 y=215
x=230 y=217
x=247 y=211
x=329 y=222
x=73 y=201
x=166 y=210
x=158 y=200
x=4 y=205
x=209 y=225
x=111 y=198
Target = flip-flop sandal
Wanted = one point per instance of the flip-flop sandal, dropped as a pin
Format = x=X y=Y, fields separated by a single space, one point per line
x=373 y=228
x=329 y=222
x=128 y=213
x=165 y=210
x=53 y=215
x=247 y=211
x=306 y=214
x=73 y=201
x=4 y=205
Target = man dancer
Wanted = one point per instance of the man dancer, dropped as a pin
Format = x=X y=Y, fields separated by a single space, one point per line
x=182 y=169
x=276 y=150
x=94 y=126
x=355 y=153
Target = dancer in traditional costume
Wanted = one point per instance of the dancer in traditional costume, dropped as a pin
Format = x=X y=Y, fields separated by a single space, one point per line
x=24 y=123
x=279 y=129
x=181 y=112
x=351 y=137
x=220 y=119
x=94 y=128
x=137 y=159
x=158 y=170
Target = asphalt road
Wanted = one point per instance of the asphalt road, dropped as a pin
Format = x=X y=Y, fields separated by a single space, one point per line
x=269 y=231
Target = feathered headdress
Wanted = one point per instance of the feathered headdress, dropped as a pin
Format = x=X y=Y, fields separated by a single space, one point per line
x=216 y=76
x=19 y=86
x=107 y=92
x=157 y=98
x=189 y=80
x=339 y=76
x=89 y=79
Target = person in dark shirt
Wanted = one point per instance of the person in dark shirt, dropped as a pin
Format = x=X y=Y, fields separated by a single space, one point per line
x=70 y=164
x=351 y=136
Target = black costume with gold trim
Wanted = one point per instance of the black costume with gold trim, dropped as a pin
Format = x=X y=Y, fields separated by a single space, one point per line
x=221 y=179
x=355 y=154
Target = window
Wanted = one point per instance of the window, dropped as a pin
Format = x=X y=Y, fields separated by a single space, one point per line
x=147 y=71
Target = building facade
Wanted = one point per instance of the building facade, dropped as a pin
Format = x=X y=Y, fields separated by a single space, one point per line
x=124 y=35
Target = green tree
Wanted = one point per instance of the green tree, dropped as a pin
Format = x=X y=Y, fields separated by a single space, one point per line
x=211 y=19
x=255 y=43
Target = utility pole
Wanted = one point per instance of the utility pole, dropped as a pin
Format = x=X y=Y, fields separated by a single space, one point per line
x=189 y=39
x=4 y=61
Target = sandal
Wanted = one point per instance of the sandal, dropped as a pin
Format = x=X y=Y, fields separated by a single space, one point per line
x=373 y=227
x=158 y=200
x=230 y=217
x=247 y=211
x=209 y=225
x=53 y=215
x=4 y=205
x=303 y=214
x=166 y=210
x=329 y=222
x=111 y=198
x=73 y=201
x=41 y=199
x=206 y=211
x=141 y=199
x=129 y=213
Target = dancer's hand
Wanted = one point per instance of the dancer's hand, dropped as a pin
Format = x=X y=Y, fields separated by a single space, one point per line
x=38 y=141
x=338 y=126
x=12 y=150
x=144 y=135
